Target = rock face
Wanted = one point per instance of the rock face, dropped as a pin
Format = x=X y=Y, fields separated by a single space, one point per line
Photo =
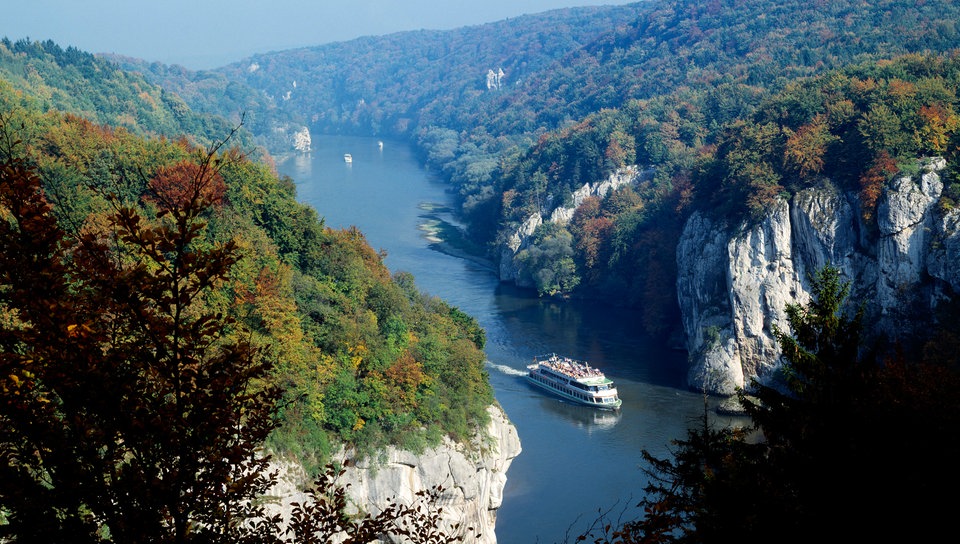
x=734 y=281
x=509 y=269
x=301 y=140
x=519 y=239
x=472 y=478
x=495 y=79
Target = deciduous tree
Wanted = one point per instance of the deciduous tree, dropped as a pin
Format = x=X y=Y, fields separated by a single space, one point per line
x=129 y=413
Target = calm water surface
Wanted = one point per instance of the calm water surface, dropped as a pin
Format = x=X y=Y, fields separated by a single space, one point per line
x=575 y=460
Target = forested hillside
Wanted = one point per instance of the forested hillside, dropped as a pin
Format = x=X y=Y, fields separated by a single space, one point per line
x=659 y=84
x=727 y=105
x=362 y=358
x=74 y=81
x=393 y=84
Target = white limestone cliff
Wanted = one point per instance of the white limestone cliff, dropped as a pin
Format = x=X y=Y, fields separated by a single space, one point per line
x=509 y=269
x=734 y=281
x=473 y=479
x=301 y=140
x=495 y=79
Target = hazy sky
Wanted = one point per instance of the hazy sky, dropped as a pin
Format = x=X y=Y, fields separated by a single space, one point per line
x=210 y=33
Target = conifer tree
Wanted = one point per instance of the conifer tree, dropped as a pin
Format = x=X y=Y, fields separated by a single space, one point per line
x=848 y=446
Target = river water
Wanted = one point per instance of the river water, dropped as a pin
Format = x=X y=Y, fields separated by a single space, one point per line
x=576 y=461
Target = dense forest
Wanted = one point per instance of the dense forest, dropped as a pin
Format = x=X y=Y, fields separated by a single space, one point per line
x=729 y=104
x=659 y=84
x=74 y=81
x=363 y=358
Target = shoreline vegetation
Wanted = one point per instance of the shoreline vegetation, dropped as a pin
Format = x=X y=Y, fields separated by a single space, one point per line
x=441 y=233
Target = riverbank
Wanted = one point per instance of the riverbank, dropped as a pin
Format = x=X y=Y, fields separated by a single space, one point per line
x=448 y=238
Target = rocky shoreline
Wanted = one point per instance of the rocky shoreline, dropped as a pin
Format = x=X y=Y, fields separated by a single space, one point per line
x=473 y=477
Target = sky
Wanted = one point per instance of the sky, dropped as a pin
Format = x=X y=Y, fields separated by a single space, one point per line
x=201 y=34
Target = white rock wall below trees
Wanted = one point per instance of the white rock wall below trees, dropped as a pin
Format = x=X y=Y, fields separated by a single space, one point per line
x=473 y=478
x=735 y=281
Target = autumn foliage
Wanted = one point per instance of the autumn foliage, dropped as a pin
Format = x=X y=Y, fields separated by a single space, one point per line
x=127 y=409
x=186 y=182
x=130 y=409
x=873 y=180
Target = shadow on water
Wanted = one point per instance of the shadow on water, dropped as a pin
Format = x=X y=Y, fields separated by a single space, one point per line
x=580 y=416
x=608 y=337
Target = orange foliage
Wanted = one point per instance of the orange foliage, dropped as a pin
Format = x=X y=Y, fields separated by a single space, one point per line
x=939 y=123
x=175 y=187
x=863 y=87
x=806 y=147
x=871 y=182
x=615 y=153
x=405 y=376
x=593 y=235
x=901 y=91
x=508 y=198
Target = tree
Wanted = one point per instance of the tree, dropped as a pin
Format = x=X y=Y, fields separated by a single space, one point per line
x=873 y=180
x=882 y=130
x=805 y=149
x=937 y=122
x=845 y=446
x=129 y=413
x=549 y=261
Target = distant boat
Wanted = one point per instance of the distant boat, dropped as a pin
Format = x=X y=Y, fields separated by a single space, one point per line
x=380 y=144
x=347 y=158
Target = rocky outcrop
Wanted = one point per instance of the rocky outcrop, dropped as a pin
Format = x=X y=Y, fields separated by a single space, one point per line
x=519 y=239
x=301 y=140
x=495 y=79
x=734 y=281
x=472 y=478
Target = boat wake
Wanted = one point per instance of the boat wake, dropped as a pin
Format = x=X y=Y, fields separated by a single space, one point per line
x=504 y=369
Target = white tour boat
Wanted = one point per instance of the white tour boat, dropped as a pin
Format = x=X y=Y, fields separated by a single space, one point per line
x=348 y=158
x=573 y=380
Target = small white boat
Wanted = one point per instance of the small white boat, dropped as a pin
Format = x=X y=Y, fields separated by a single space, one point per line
x=573 y=380
x=348 y=158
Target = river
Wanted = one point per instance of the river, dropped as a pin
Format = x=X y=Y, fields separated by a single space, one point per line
x=576 y=460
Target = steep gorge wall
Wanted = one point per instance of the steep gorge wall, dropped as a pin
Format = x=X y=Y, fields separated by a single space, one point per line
x=472 y=478
x=734 y=281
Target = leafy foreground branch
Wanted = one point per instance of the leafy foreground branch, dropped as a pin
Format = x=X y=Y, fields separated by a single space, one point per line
x=130 y=412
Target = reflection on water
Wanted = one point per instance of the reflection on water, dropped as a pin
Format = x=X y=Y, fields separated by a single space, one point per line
x=579 y=415
x=302 y=163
